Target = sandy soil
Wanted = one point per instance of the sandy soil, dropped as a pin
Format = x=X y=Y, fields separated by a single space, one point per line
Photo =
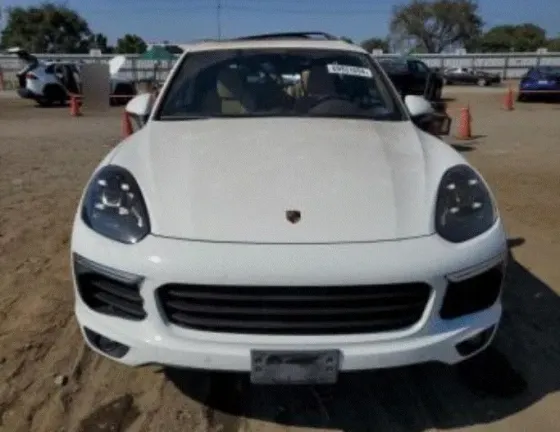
x=50 y=382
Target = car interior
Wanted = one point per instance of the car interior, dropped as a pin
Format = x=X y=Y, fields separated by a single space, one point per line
x=261 y=84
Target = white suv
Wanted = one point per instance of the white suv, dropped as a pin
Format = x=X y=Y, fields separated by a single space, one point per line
x=53 y=82
x=281 y=213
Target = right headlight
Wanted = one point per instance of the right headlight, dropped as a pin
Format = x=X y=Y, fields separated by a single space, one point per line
x=464 y=207
x=113 y=206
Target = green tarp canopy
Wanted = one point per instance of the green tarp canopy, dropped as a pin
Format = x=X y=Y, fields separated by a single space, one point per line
x=158 y=53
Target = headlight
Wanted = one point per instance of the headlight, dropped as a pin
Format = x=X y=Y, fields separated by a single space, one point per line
x=113 y=206
x=464 y=207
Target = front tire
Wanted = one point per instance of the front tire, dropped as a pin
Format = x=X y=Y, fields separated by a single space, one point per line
x=45 y=102
x=52 y=94
x=482 y=82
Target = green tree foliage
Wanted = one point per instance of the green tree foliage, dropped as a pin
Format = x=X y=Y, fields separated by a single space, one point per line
x=99 y=41
x=46 y=28
x=519 y=38
x=553 y=44
x=375 y=43
x=435 y=25
x=131 y=44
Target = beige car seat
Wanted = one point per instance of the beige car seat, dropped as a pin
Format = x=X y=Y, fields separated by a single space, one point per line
x=232 y=96
x=299 y=89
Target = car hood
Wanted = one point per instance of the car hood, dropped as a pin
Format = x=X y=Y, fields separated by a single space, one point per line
x=233 y=180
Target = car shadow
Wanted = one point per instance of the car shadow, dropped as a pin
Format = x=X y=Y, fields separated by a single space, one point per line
x=545 y=99
x=462 y=148
x=53 y=106
x=517 y=371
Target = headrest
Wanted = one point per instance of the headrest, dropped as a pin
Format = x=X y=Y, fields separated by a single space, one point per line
x=320 y=81
x=305 y=78
x=229 y=84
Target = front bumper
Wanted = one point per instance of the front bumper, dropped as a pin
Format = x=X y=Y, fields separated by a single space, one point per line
x=541 y=90
x=160 y=261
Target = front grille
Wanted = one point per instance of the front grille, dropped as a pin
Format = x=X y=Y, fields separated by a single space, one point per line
x=472 y=295
x=294 y=310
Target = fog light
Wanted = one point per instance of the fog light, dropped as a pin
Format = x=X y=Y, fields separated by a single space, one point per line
x=105 y=345
x=475 y=342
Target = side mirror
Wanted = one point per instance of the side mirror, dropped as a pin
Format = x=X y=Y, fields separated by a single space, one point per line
x=140 y=107
x=418 y=106
x=426 y=117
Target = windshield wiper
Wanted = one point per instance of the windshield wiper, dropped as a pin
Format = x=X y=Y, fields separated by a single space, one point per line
x=349 y=116
x=183 y=117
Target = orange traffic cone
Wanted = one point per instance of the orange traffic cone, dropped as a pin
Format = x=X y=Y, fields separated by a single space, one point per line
x=464 y=131
x=508 y=100
x=74 y=106
x=126 y=125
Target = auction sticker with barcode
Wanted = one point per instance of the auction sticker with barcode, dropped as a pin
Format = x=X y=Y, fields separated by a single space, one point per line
x=349 y=70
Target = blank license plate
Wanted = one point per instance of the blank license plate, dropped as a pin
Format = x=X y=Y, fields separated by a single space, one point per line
x=289 y=367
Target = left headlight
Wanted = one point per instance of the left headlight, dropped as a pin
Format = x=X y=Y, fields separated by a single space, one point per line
x=464 y=207
x=114 y=207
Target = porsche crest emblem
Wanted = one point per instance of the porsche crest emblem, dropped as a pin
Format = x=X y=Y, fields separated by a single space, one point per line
x=293 y=216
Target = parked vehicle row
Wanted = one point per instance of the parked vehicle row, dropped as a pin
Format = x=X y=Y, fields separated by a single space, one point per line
x=53 y=82
x=466 y=76
x=412 y=76
x=541 y=81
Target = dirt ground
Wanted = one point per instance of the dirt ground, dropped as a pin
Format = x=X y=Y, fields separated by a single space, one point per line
x=50 y=382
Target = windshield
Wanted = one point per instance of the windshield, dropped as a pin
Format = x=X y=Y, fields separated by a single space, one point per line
x=279 y=82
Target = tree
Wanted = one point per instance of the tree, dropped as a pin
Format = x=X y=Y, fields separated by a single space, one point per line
x=519 y=38
x=131 y=44
x=375 y=43
x=553 y=44
x=47 y=28
x=96 y=41
x=435 y=25
x=99 y=41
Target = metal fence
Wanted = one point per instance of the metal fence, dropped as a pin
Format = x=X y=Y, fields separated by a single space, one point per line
x=508 y=65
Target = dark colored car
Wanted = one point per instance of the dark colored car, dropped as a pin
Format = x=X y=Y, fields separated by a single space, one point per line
x=412 y=76
x=541 y=81
x=470 y=76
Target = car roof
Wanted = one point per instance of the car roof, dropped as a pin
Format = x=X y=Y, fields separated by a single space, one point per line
x=294 y=40
x=53 y=62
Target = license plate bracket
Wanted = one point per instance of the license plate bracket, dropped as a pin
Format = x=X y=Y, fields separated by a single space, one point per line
x=294 y=367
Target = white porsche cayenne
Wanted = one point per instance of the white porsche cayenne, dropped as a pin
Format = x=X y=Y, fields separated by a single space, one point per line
x=280 y=212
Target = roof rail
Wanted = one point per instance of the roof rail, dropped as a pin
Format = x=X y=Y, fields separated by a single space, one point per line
x=289 y=35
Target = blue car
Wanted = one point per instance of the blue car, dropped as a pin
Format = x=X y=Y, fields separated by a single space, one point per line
x=540 y=81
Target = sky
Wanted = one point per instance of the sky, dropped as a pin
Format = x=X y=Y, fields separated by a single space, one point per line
x=181 y=21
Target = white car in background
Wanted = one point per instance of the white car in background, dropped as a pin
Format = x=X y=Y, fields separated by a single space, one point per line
x=288 y=234
x=52 y=82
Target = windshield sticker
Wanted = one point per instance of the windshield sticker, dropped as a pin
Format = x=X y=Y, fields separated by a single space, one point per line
x=349 y=70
